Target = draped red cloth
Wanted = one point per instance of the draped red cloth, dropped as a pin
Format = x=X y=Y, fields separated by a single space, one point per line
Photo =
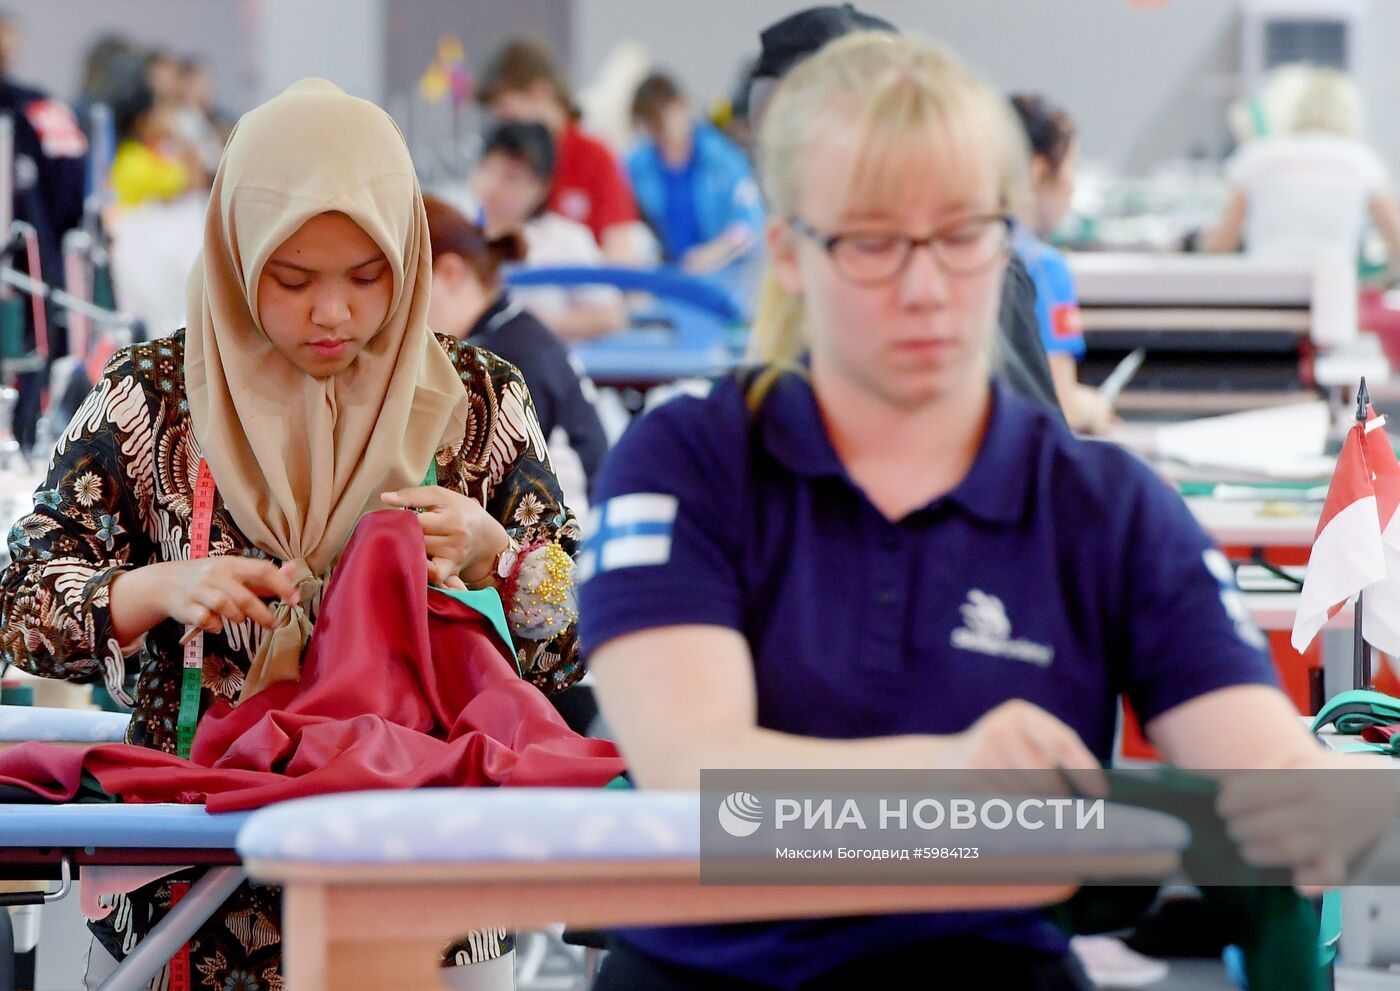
x=401 y=687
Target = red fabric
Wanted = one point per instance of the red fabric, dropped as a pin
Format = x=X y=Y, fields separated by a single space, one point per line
x=1380 y=734
x=588 y=184
x=401 y=687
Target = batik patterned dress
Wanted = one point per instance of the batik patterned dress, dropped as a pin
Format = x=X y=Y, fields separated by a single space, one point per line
x=119 y=495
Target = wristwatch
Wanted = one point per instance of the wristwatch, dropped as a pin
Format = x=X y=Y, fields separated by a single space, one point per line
x=505 y=561
x=501 y=567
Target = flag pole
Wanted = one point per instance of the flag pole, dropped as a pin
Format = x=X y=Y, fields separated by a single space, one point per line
x=1361 y=650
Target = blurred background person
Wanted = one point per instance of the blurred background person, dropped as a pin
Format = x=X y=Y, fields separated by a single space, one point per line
x=469 y=302
x=693 y=185
x=512 y=184
x=153 y=162
x=112 y=66
x=197 y=120
x=162 y=70
x=1307 y=193
x=159 y=190
x=1054 y=149
x=523 y=83
x=50 y=183
x=110 y=63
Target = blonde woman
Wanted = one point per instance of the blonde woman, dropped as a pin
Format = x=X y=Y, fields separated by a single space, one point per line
x=827 y=562
x=1308 y=192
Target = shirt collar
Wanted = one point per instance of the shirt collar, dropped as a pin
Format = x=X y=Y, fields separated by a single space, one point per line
x=502 y=310
x=996 y=488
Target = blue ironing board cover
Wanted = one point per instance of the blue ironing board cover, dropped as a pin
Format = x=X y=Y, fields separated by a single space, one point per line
x=23 y=722
x=461 y=825
x=144 y=827
x=513 y=825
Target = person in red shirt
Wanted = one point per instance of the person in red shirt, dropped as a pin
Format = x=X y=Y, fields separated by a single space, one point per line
x=523 y=83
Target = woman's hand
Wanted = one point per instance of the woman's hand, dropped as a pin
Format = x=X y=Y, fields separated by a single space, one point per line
x=461 y=537
x=1092 y=414
x=210 y=592
x=1316 y=817
x=1016 y=744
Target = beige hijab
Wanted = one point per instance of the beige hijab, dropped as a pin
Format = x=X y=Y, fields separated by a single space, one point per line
x=299 y=459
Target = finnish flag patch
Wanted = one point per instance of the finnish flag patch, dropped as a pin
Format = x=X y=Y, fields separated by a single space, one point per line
x=628 y=531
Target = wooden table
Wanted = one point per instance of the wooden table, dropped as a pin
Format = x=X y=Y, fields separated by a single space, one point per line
x=383 y=922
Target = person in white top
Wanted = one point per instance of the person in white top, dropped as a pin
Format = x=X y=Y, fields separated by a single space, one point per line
x=1308 y=193
x=512 y=185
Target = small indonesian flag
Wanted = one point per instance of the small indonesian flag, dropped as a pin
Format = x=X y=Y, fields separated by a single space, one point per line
x=1380 y=621
x=1347 y=554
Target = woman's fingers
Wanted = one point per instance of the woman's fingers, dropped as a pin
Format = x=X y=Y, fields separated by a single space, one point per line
x=441 y=570
x=264 y=579
x=416 y=497
x=1059 y=748
x=252 y=607
x=209 y=621
x=452 y=548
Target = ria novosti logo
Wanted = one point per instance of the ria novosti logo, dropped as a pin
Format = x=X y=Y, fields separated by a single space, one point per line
x=740 y=814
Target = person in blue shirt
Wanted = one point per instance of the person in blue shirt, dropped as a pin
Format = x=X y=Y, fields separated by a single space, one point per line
x=784 y=573
x=692 y=183
x=1054 y=151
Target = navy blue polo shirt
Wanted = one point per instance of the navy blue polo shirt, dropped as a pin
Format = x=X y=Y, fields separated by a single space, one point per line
x=1060 y=570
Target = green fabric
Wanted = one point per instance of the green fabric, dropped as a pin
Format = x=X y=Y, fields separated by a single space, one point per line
x=1276 y=929
x=91 y=792
x=1391 y=749
x=12 y=327
x=486 y=601
x=102 y=293
x=1353 y=711
x=1264 y=490
x=1331 y=928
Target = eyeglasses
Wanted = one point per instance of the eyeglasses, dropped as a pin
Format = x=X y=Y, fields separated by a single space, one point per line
x=872 y=257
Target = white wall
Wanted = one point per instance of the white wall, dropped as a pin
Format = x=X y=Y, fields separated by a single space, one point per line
x=1380 y=90
x=57 y=33
x=340 y=40
x=255 y=48
x=1143 y=83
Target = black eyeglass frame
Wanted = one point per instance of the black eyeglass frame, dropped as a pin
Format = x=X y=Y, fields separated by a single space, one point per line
x=830 y=242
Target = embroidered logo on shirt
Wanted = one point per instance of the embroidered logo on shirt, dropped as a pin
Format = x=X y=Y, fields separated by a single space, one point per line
x=628 y=531
x=987 y=630
x=1233 y=599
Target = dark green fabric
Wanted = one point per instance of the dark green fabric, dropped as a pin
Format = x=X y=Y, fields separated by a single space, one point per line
x=90 y=791
x=1276 y=929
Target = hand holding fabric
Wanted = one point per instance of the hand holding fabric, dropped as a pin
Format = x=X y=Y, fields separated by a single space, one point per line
x=209 y=592
x=462 y=539
x=1011 y=748
x=1317 y=824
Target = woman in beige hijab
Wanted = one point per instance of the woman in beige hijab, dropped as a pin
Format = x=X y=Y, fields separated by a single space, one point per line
x=310 y=386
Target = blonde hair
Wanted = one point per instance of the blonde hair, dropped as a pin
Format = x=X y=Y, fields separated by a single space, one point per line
x=905 y=105
x=1329 y=103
